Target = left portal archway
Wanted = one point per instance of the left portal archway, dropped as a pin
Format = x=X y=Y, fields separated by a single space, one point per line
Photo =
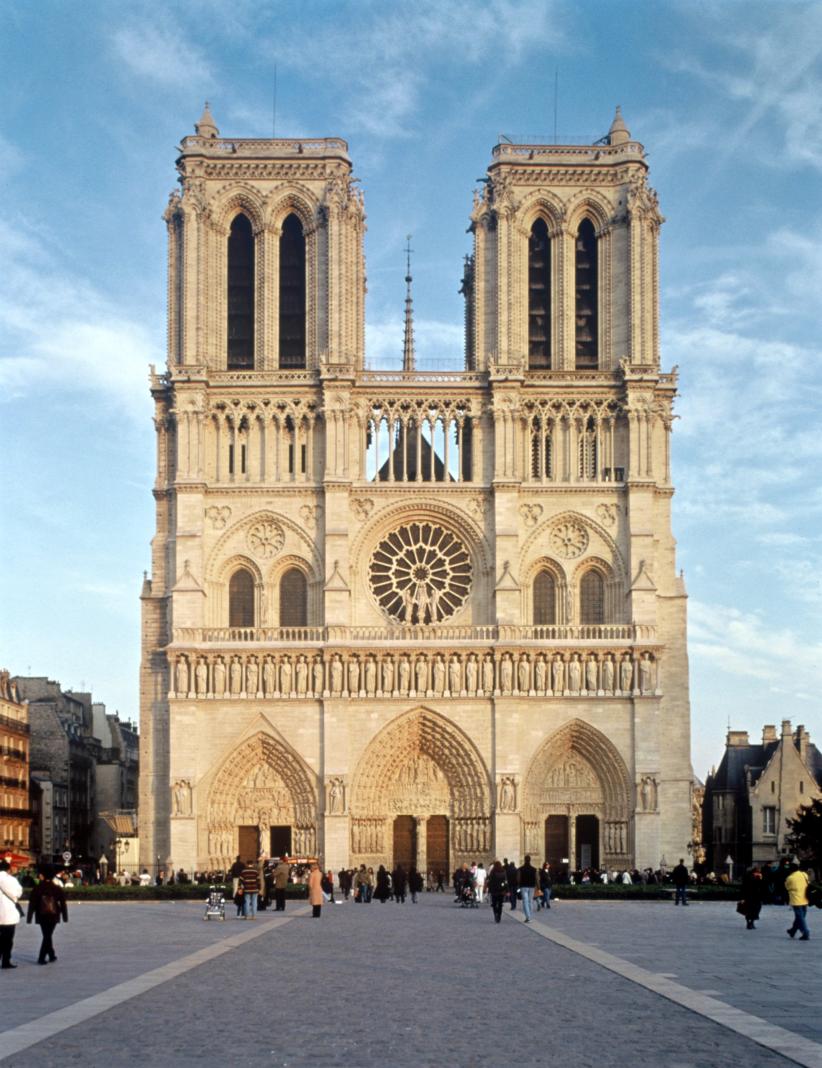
x=263 y=784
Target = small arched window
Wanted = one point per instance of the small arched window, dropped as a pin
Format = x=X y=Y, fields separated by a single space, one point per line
x=539 y=297
x=545 y=599
x=587 y=450
x=292 y=293
x=293 y=599
x=542 y=458
x=241 y=599
x=592 y=598
x=587 y=297
x=240 y=294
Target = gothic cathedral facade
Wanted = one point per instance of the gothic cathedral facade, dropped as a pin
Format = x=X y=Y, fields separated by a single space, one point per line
x=428 y=617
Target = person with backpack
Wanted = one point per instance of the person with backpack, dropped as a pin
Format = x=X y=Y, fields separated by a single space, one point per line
x=47 y=907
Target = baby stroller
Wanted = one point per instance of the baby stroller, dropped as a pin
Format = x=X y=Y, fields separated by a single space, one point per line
x=215 y=903
x=466 y=898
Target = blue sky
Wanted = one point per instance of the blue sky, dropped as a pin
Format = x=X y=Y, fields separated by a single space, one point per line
x=725 y=97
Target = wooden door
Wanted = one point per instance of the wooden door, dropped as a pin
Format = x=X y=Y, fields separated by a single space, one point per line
x=556 y=842
x=436 y=839
x=249 y=843
x=405 y=841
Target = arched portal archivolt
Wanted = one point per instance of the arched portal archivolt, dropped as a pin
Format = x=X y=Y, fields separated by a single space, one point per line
x=263 y=783
x=421 y=764
x=579 y=771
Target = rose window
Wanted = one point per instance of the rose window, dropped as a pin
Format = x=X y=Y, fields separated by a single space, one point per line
x=569 y=539
x=420 y=573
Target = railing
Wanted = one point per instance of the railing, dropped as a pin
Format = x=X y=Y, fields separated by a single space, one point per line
x=502 y=632
x=243 y=146
x=426 y=378
x=15 y=724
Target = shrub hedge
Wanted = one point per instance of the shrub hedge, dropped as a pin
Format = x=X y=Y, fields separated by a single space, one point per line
x=175 y=892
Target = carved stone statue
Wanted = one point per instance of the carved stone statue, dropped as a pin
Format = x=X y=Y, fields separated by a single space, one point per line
x=506 y=673
x=626 y=674
x=388 y=675
x=438 y=684
x=336 y=675
x=471 y=673
x=488 y=674
x=421 y=671
x=319 y=676
x=454 y=674
x=405 y=675
x=608 y=674
x=201 y=677
x=370 y=676
x=301 y=673
x=235 y=674
x=574 y=674
x=540 y=675
x=285 y=676
x=591 y=674
x=336 y=798
x=524 y=673
x=508 y=794
x=648 y=793
x=181 y=798
x=646 y=671
x=558 y=674
x=252 y=677
x=219 y=677
x=182 y=677
x=269 y=677
x=353 y=676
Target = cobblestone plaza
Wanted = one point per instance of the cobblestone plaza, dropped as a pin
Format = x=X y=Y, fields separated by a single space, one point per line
x=426 y=984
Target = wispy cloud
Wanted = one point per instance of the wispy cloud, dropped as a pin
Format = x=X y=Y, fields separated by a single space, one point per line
x=158 y=50
x=388 y=54
x=59 y=331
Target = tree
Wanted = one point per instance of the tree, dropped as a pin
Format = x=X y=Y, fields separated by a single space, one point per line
x=805 y=836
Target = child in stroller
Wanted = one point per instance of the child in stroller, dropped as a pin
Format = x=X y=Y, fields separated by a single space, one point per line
x=466 y=894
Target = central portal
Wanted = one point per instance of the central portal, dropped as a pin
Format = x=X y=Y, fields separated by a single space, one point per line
x=405 y=842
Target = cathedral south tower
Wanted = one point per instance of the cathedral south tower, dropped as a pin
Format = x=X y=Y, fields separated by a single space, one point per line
x=405 y=616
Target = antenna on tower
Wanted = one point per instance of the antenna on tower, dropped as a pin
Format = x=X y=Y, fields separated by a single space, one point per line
x=274 y=105
x=408 y=345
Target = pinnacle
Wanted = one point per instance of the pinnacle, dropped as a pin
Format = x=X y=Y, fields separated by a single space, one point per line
x=206 y=127
x=619 y=132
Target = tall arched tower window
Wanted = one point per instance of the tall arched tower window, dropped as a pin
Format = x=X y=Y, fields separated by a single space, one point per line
x=592 y=598
x=587 y=297
x=292 y=293
x=293 y=599
x=545 y=599
x=241 y=599
x=539 y=297
x=240 y=294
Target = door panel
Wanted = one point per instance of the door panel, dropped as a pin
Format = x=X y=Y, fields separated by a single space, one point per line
x=587 y=829
x=281 y=841
x=556 y=842
x=405 y=841
x=249 y=843
x=436 y=838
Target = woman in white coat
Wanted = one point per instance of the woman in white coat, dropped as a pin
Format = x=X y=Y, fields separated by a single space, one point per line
x=10 y=893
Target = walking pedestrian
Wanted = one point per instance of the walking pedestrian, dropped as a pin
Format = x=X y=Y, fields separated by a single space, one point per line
x=383 y=888
x=511 y=876
x=546 y=884
x=753 y=888
x=415 y=884
x=315 y=891
x=528 y=878
x=796 y=887
x=47 y=907
x=399 y=881
x=250 y=880
x=480 y=880
x=10 y=912
x=235 y=871
x=680 y=878
x=497 y=889
x=281 y=876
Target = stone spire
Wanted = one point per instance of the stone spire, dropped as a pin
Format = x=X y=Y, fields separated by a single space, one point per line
x=619 y=132
x=408 y=346
x=206 y=127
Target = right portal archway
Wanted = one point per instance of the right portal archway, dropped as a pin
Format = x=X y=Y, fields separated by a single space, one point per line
x=577 y=801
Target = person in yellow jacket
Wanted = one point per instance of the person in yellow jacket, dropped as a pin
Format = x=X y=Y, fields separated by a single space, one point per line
x=796 y=887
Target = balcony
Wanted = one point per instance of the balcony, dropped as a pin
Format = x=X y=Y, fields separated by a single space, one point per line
x=552 y=634
x=18 y=725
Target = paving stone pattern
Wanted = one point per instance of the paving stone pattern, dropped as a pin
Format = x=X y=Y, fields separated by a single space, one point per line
x=409 y=985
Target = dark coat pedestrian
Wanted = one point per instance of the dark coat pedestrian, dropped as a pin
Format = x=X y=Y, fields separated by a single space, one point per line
x=400 y=882
x=511 y=876
x=753 y=889
x=47 y=907
x=382 y=891
x=497 y=887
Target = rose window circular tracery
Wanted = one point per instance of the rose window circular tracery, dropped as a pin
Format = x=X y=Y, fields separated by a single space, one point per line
x=420 y=573
x=569 y=539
